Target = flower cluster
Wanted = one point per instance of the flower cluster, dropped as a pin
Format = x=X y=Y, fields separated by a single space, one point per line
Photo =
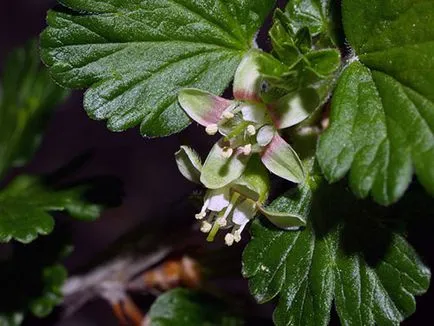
x=250 y=145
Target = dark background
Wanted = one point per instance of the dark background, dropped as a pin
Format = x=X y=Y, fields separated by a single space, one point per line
x=146 y=167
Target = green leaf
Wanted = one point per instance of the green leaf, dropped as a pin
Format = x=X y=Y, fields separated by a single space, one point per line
x=382 y=121
x=26 y=203
x=14 y=319
x=135 y=56
x=27 y=99
x=53 y=278
x=346 y=254
x=316 y=15
x=186 y=307
x=305 y=62
x=31 y=278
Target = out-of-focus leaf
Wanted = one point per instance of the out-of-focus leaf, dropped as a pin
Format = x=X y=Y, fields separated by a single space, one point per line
x=31 y=278
x=27 y=99
x=26 y=203
x=186 y=307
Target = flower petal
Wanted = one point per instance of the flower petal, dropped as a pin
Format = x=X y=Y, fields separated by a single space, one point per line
x=282 y=160
x=254 y=113
x=218 y=199
x=265 y=135
x=254 y=182
x=218 y=170
x=203 y=107
x=286 y=221
x=248 y=80
x=189 y=163
x=244 y=212
x=293 y=108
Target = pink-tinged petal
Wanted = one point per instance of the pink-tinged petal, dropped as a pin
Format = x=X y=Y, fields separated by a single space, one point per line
x=293 y=108
x=282 y=160
x=203 y=107
x=248 y=80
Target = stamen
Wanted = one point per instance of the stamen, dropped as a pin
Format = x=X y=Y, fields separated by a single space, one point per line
x=251 y=130
x=227 y=152
x=228 y=115
x=229 y=239
x=206 y=227
x=212 y=129
x=247 y=149
x=237 y=236
x=200 y=216
x=202 y=213
x=237 y=233
x=222 y=222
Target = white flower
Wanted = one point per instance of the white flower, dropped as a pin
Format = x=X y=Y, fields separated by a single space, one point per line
x=249 y=125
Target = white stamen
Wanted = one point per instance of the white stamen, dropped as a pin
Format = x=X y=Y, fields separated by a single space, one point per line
x=227 y=152
x=237 y=233
x=202 y=214
x=237 y=236
x=212 y=129
x=251 y=130
x=229 y=239
x=228 y=115
x=247 y=149
x=206 y=227
x=222 y=221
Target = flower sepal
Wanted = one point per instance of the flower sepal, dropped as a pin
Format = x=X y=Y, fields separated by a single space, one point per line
x=223 y=165
x=283 y=220
x=189 y=163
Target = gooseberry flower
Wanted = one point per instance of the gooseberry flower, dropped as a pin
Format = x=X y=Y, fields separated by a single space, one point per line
x=232 y=206
x=249 y=125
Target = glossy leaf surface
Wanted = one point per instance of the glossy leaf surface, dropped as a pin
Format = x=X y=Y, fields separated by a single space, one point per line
x=345 y=255
x=382 y=117
x=135 y=56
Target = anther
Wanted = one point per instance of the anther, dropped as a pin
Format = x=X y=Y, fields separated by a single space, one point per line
x=228 y=115
x=200 y=216
x=212 y=129
x=222 y=222
x=206 y=227
x=251 y=130
x=227 y=152
x=229 y=239
x=247 y=149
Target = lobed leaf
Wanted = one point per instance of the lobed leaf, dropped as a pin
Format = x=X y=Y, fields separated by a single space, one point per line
x=27 y=99
x=382 y=121
x=136 y=55
x=346 y=254
x=26 y=204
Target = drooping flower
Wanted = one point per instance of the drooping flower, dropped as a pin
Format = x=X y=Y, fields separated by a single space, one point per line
x=234 y=205
x=249 y=125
